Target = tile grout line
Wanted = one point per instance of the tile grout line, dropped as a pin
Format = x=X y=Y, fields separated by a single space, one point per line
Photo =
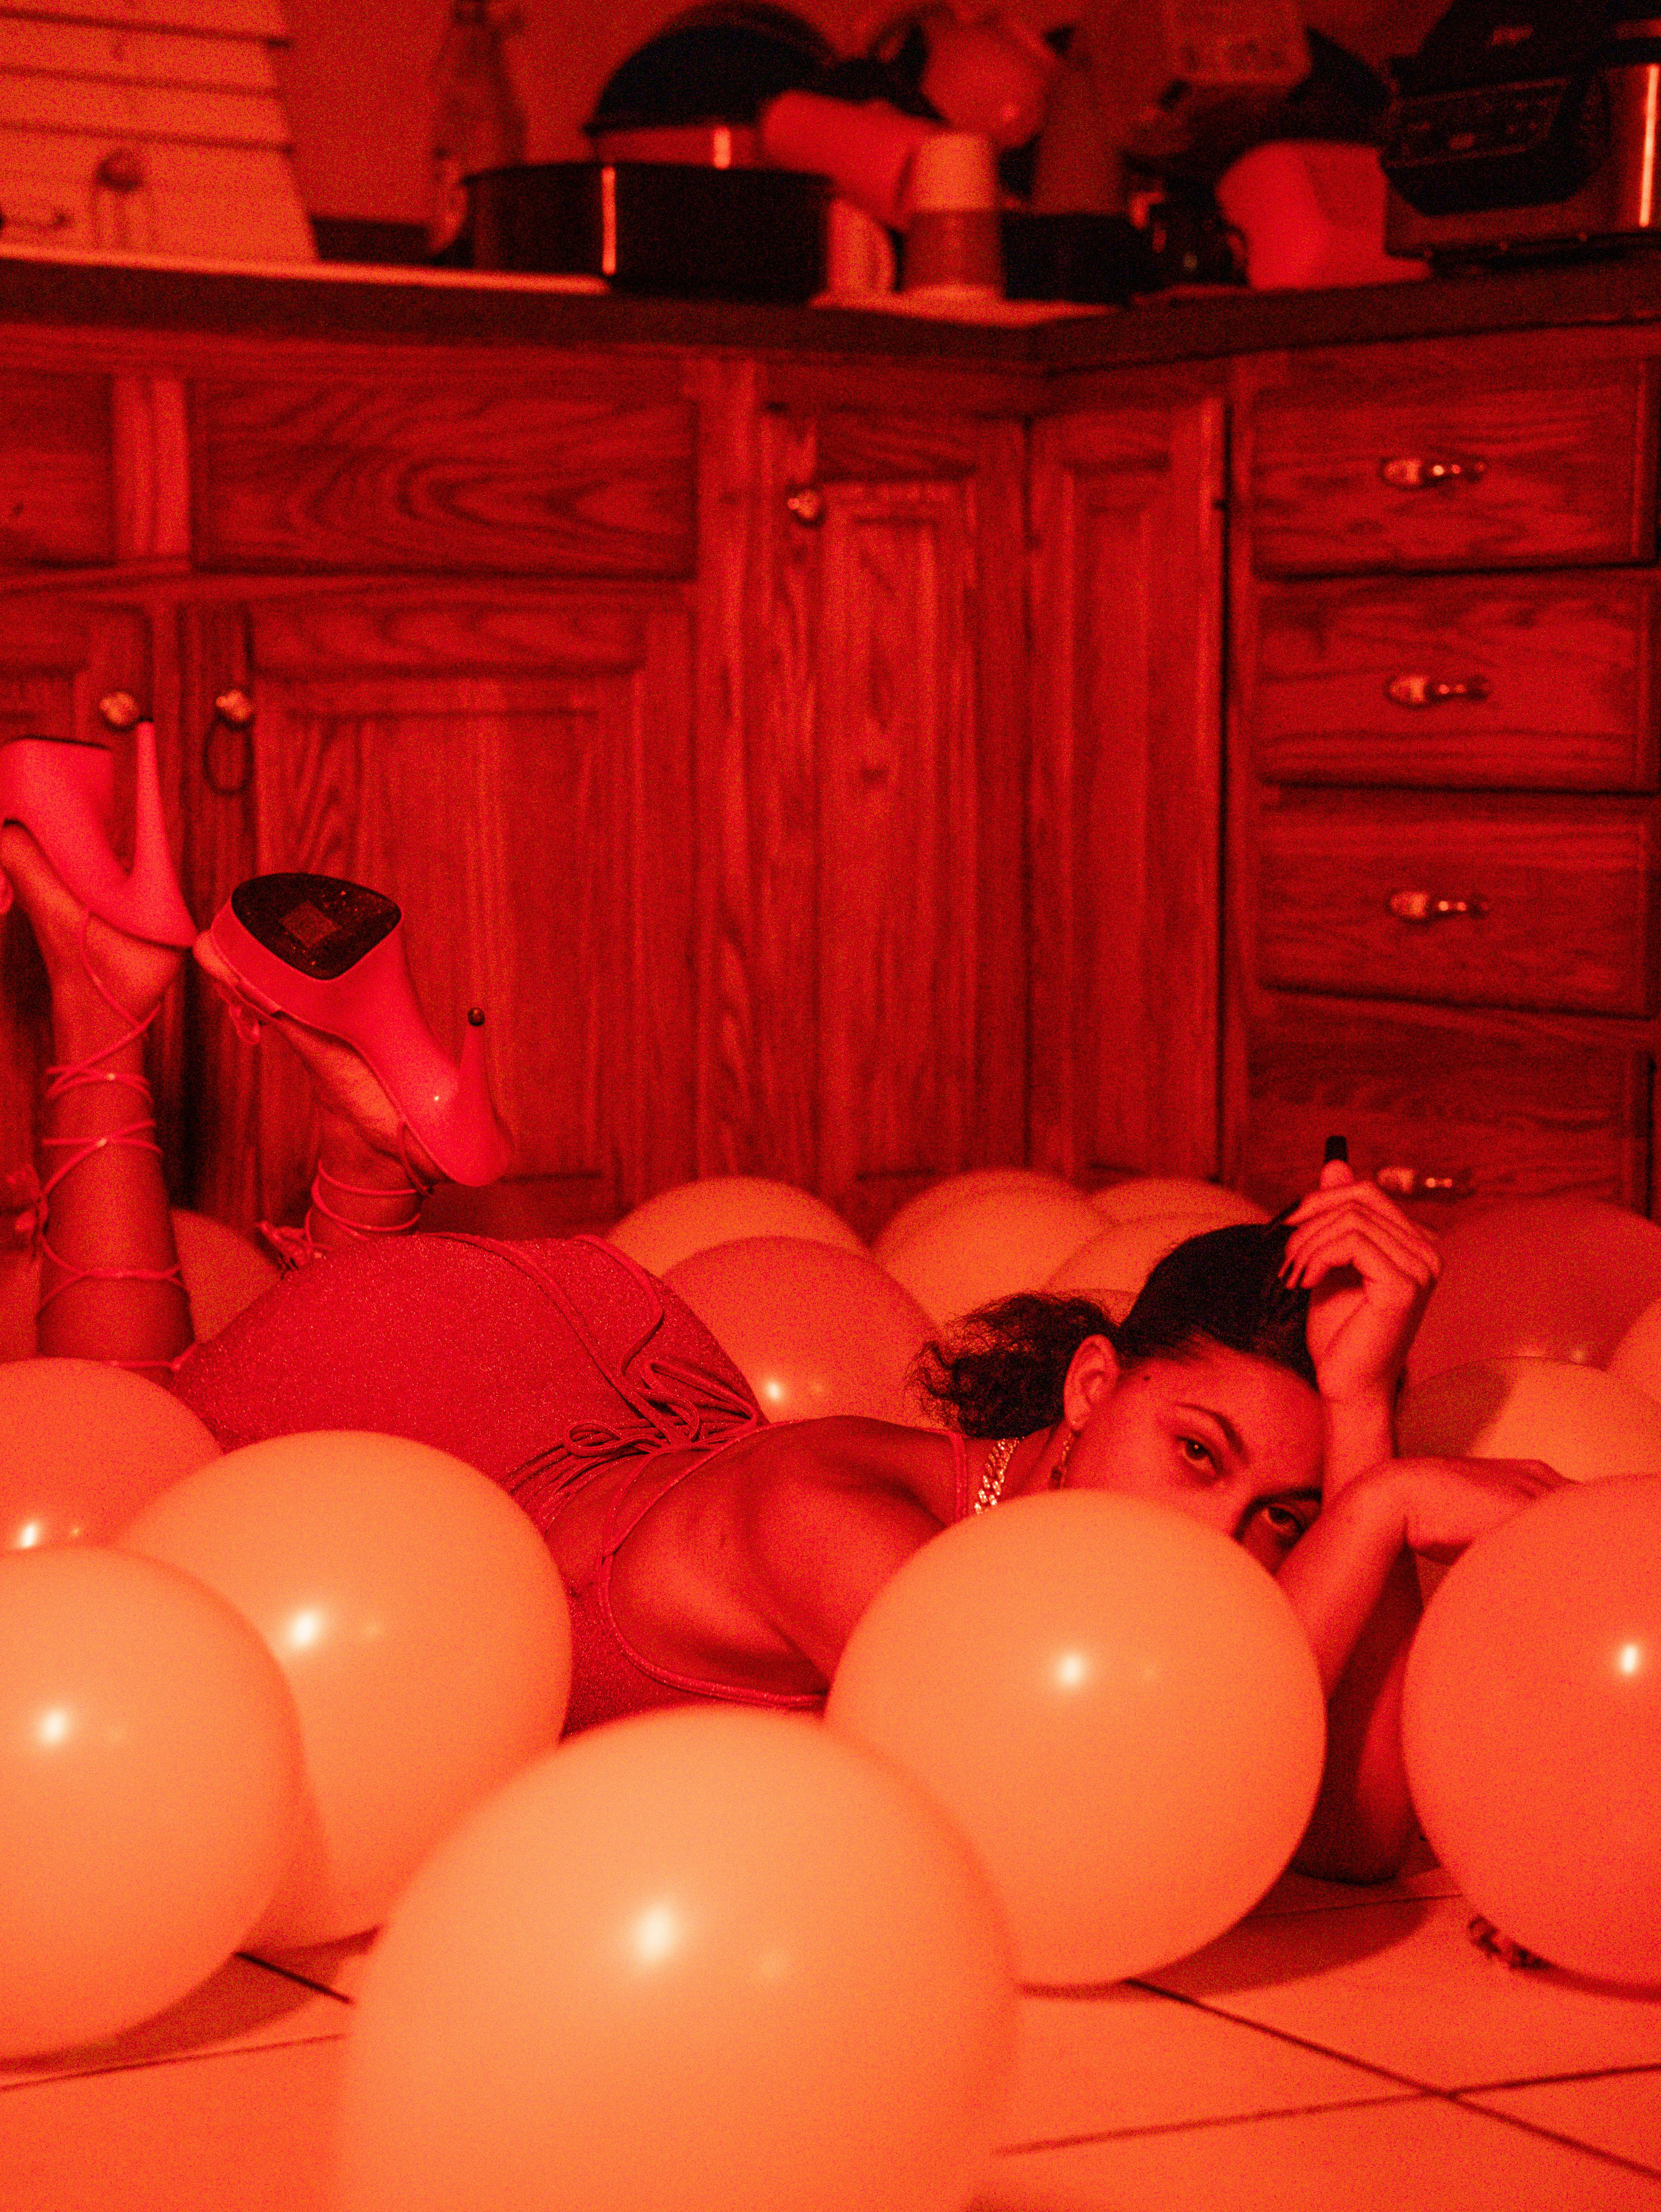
x=1455 y=2097
x=1554 y=2081
x=1555 y=2135
x=1285 y=2035
x=1210 y=2120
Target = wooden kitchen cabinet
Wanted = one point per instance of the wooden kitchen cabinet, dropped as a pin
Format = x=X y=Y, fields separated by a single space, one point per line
x=863 y=949
x=513 y=764
x=1127 y=801
x=837 y=748
x=1442 y=926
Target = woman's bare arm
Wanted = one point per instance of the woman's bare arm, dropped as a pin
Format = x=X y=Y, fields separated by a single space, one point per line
x=1354 y=1585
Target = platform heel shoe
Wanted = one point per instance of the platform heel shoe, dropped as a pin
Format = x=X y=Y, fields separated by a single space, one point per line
x=60 y=790
x=330 y=954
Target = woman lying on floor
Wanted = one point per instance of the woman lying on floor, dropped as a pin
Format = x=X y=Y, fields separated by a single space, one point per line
x=707 y=1553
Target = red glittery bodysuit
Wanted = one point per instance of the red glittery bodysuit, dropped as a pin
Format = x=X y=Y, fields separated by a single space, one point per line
x=540 y=1362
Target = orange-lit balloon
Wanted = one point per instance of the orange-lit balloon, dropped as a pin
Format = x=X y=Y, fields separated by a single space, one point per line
x=677 y=1223
x=1539 y=1278
x=83 y=1447
x=941 y=1197
x=1120 y=1261
x=1636 y=1360
x=694 y=1961
x=1143 y=1195
x=1531 y=1725
x=1119 y=1707
x=812 y=1329
x=424 y=1630
x=150 y=1791
x=987 y=1247
x=1576 y=1419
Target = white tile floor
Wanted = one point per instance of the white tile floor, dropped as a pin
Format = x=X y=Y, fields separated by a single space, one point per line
x=1340 y=2051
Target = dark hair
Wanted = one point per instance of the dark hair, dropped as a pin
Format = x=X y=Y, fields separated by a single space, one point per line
x=1001 y=1372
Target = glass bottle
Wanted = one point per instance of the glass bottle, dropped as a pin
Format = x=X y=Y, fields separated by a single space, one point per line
x=478 y=121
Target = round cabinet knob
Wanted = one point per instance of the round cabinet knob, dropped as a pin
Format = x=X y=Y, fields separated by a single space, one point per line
x=806 y=506
x=234 y=708
x=120 y=710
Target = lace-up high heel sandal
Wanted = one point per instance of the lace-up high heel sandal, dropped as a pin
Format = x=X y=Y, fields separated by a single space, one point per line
x=61 y=790
x=329 y=954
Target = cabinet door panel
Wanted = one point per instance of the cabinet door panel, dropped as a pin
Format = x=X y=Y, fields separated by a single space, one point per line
x=1543 y=684
x=1438 y=473
x=55 y=465
x=865 y=1028
x=1444 y=1117
x=1501 y=902
x=1127 y=676
x=517 y=776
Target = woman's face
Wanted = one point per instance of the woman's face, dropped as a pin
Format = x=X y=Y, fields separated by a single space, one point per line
x=1231 y=1440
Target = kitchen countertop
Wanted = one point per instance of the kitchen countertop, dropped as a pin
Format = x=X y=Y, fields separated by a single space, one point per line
x=341 y=303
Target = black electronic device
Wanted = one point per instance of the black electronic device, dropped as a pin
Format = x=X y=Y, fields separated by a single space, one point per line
x=1526 y=128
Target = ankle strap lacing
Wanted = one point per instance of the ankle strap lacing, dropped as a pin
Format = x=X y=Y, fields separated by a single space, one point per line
x=81 y=1075
x=296 y=1247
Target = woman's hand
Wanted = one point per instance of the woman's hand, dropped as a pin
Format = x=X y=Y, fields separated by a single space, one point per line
x=1447 y=1504
x=1371 y=1272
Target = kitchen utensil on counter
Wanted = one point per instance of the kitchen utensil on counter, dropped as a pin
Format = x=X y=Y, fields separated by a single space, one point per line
x=865 y=147
x=859 y=255
x=1311 y=213
x=952 y=242
x=676 y=231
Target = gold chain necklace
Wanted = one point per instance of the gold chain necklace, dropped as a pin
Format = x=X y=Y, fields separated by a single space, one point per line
x=997 y=1467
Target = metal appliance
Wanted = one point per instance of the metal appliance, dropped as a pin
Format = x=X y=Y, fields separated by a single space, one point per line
x=1526 y=130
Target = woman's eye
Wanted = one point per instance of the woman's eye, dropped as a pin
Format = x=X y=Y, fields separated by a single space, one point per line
x=1198 y=1455
x=1287 y=1525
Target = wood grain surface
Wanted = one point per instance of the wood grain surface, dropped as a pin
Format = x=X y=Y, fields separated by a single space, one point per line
x=55 y=436
x=1487 y=1111
x=592 y=478
x=1562 y=666
x=514 y=771
x=1567 y=892
x=1127 y=672
x=1567 y=471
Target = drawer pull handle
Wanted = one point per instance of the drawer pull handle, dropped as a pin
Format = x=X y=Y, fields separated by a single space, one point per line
x=1433 y=690
x=1425 y=907
x=1417 y=1182
x=1428 y=472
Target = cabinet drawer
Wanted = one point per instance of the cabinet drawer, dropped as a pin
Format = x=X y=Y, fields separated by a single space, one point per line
x=1532 y=683
x=574 y=474
x=1468 y=901
x=1444 y=1117
x=1471 y=478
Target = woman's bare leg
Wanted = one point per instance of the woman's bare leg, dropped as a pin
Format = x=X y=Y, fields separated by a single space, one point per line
x=109 y=1242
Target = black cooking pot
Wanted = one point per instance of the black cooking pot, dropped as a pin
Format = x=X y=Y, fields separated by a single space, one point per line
x=655 y=227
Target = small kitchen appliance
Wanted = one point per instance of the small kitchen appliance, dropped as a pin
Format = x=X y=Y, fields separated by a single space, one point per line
x=1526 y=128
